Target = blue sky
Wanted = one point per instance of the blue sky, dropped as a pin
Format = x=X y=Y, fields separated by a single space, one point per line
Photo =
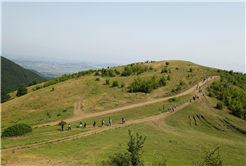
x=208 y=33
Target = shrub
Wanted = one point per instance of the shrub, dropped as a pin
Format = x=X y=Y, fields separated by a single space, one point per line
x=167 y=63
x=97 y=73
x=169 y=77
x=4 y=96
x=191 y=69
x=151 y=68
x=182 y=82
x=97 y=79
x=220 y=105
x=164 y=70
x=175 y=99
x=38 y=87
x=115 y=83
x=17 y=130
x=211 y=94
x=107 y=81
x=59 y=114
x=122 y=84
x=170 y=71
x=177 y=68
x=53 y=88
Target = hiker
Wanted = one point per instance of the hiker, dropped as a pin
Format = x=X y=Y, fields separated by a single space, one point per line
x=175 y=106
x=62 y=126
x=103 y=122
x=110 y=122
x=170 y=109
x=69 y=127
x=94 y=123
x=80 y=124
x=198 y=97
x=203 y=93
x=173 y=109
x=84 y=124
x=163 y=107
x=122 y=119
x=190 y=100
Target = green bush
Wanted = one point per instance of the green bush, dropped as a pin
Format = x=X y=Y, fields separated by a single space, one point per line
x=59 y=114
x=170 y=71
x=211 y=94
x=115 y=83
x=107 y=81
x=122 y=84
x=164 y=70
x=169 y=77
x=167 y=63
x=17 y=130
x=191 y=69
x=220 y=105
x=182 y=82
x=97 y=79
x=177 y=68
x=175 y=99
x=38 y=87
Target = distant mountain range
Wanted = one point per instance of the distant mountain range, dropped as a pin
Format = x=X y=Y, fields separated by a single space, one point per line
x=12 y=75
x=50 y=67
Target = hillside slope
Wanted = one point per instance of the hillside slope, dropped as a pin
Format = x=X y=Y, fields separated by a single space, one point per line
x=13 y=75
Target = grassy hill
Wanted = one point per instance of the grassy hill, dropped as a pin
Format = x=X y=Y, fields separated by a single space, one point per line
x=179 y=137
x=12 y=75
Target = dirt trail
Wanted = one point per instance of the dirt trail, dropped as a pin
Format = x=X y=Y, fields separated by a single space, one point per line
x=79 y=115
x=95 y=130
x=102 y=129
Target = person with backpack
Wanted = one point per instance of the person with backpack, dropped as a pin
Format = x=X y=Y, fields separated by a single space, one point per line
x=80 y=124
x=69 y=127
x=110 y=122
x=103 y=122
x=163 y=107
x=84 y=124
x=122 y=119
x=94 y=123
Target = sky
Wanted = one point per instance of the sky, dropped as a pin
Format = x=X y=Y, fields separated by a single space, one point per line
x=207 y=33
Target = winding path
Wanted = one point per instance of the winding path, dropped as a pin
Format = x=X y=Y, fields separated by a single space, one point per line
x=79 y=115
x=102 y=129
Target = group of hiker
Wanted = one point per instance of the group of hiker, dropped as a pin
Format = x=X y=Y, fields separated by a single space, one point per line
x=94 y=123
x=171 y=109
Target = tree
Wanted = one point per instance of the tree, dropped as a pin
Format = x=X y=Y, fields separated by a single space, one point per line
x=167 y=63
x=34 y=82
x=4 y=96
x=211 y=158
x=133 y=154
x=21 y=90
